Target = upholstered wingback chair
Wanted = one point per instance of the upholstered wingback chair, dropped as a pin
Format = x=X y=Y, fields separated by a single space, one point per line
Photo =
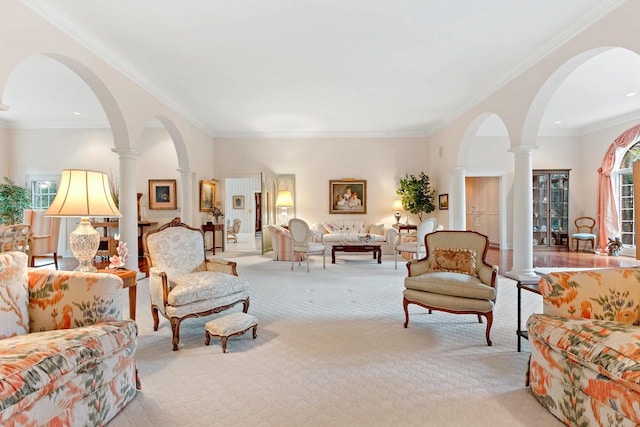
x=45 y=232
x=454 y=277
x=282 y=244
x=183 y=283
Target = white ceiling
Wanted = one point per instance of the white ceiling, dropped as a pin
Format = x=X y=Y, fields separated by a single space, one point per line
x=322 y=67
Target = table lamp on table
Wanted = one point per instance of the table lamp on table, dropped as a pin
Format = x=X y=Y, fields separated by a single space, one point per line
x=397 y=207
x=84 y=194
x=284 y=201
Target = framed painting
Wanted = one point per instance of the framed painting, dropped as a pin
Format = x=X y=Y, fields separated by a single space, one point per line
x=443 y=202
x=162 y=194
x=237 y=202
x=207 y=195
x=347 y=196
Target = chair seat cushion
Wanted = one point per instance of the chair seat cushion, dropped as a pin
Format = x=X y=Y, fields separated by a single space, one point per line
x=450 y=283
x=584 y=236
x=204 y=285
x=407 y=247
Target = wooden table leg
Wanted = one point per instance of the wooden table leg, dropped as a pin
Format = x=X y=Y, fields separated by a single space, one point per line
x=333 y=255
x=132 y=301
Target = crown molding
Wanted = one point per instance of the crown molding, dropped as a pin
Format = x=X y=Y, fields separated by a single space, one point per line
x=78 y=33
x=321 y=135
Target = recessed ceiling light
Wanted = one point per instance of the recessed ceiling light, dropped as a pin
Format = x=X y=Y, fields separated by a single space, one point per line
x=557 y=122
x=76 y=113
x=632 y=93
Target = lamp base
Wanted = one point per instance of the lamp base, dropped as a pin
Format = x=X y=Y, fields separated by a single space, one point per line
x=284 y=217
x=397 y=215
x=84 y=242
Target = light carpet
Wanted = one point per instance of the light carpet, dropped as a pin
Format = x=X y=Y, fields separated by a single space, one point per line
x=332 y=351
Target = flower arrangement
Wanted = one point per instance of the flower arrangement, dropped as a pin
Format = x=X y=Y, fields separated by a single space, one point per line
x=217 y=213
x=366 y=238
x=119 y=260
x=614 y=246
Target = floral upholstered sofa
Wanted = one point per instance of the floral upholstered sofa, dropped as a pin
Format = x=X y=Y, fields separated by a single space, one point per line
x=354 y=231
x=65 y=358
x=585 y=348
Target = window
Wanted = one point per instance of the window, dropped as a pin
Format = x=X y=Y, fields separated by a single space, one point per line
x=43 y=191
x=624 y=178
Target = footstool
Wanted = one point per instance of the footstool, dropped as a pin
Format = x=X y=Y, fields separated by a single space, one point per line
x=228 y=326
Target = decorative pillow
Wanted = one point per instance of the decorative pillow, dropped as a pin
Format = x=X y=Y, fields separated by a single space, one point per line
x=453 y=259
x=330 y=228
x=14 y=295
x=377 y=229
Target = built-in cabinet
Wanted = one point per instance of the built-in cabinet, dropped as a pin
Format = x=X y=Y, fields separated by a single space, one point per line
x=551 y=208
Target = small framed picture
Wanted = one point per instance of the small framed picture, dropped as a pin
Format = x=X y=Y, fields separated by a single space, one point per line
x=162 y=194
x=207 y=195
x=443 y=202
x=237 y=202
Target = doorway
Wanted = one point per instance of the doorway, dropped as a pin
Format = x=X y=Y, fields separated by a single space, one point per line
x=483 y=206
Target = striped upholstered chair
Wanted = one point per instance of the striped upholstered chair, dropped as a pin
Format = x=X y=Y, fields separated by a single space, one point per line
x=282 y=244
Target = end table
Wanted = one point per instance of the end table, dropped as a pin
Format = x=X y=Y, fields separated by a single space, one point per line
x=129 y=280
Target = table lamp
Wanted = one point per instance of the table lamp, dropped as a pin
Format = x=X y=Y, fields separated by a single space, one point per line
x=84 y=194
x=284 y=201
x=397 y=207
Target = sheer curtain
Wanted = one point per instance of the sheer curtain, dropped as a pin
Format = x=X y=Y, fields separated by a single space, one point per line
x=608 y=221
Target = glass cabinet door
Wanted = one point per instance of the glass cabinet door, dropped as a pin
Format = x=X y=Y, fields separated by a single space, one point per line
x=551 y=208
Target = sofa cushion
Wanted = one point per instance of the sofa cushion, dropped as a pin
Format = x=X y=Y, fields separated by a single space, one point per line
x=33 y=365
x=376 y=229
x=609 y=348
x=14 y=295
x=204 y=285
x=459 y=260
x=451 y=283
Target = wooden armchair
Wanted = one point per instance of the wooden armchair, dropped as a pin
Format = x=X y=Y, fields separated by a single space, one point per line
x=453 y=277
x=183 y=283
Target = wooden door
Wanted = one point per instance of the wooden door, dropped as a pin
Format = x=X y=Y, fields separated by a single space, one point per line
x=258 y=199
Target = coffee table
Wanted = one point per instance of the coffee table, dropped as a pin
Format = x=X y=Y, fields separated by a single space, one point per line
x=376 y=249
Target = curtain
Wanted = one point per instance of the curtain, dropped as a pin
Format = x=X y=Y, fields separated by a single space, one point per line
x=607 y=219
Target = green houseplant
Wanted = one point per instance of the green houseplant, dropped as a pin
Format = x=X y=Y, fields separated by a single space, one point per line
x=417 y=195
x=13 y=200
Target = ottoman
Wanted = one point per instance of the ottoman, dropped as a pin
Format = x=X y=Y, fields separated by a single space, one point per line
x=228 y=326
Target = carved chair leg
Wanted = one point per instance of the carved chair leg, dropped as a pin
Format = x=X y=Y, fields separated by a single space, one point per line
x=405 y=304
x=156 y=319
x=175 y=328
x=489 y=317
x=479 y=319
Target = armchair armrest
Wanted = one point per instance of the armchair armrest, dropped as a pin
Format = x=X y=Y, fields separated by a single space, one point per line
x=417 y=267
x=488 y=274
x=222 y=266
x=70 y=299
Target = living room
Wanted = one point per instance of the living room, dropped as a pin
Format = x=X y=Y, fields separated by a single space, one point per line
x=148 y=137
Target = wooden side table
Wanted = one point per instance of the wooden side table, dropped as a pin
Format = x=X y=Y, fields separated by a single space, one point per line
x=406 y=227
x=532 y=287
x=213 y=228
x=129 y=280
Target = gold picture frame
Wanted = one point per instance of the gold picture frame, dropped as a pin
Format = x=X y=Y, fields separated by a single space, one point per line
x=348 y=196
x=443 y=202
x=237 y=202
x=207 y=195
x=162 y=194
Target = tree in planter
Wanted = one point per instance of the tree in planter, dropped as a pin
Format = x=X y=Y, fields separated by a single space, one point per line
x=13 y=201
x=417 y=194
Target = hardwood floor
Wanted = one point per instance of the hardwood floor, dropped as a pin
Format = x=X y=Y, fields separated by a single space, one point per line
x=503 y=259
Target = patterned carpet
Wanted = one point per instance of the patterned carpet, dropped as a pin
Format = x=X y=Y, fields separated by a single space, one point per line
x=332 y=351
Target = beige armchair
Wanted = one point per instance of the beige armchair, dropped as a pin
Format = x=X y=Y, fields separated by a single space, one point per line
x=454 y=277
x=183 y=283
x=45 y=232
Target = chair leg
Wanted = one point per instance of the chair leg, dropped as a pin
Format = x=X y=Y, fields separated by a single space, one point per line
x=156 y=319
x=396 y=254
x=293 y=259
x=55 y=259
x=307 y=261
x=489 y=317
x=175 y=328
x=405 y=305
x=324 y=265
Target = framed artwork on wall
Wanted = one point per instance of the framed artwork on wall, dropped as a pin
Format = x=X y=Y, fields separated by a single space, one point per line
x=443 y=202
x=207 y=195
x=348 y=196
x=237 y=202
x=162 y=194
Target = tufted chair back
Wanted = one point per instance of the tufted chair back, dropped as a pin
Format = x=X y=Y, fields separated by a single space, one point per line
x=175 y=248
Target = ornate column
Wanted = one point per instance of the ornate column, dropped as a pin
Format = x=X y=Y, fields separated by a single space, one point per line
x=522 y=215
x=128 y=205
x=459 y=200
x=186 y=197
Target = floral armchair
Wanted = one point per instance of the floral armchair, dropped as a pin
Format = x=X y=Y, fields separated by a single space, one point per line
x=585 y=347
x=183 y=283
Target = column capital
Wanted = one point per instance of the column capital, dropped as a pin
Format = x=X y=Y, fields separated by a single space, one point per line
x=520 y=150
x=126 y=153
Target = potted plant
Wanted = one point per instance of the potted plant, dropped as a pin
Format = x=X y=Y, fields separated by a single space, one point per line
x=417 y=195
x=13 y=201
x=614 y=245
